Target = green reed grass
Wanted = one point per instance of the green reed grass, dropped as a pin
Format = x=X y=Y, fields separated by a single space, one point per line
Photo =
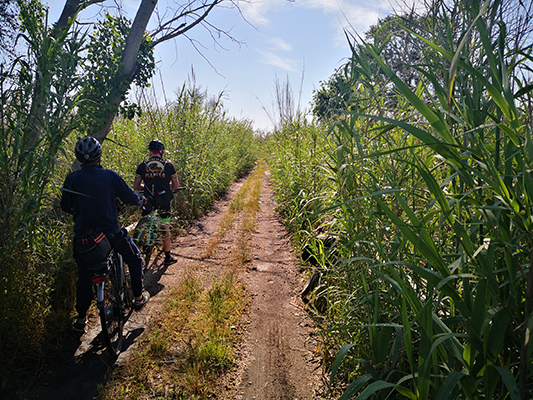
x=429 y=295
x=35 y=117
x=37 y=274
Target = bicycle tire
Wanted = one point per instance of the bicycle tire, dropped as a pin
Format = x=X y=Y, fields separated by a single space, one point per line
x=112 y=312
x=147 y=252
x=141 y=237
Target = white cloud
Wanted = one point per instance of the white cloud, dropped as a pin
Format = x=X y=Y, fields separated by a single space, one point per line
x=285 y=64
x=351 y=15
x=280 y=44
x=360 y=14
x=256 y=10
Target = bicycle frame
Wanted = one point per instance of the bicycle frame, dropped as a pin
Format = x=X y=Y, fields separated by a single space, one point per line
x=114 y=300
x=149 y=226
x=147 y=229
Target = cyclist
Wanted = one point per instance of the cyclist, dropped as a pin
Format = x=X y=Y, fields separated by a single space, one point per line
x=159 y=177
x=90 y=194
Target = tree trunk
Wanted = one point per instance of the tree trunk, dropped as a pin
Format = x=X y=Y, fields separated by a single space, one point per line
x=43 y=76
x=129 y=62
x=69 y=11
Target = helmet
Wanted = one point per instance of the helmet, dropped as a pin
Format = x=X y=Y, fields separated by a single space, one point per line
x=156 y=145
x=88 y=150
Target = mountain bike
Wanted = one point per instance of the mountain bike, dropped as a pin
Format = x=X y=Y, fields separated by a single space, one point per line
x=145 y=233
x=114 y=299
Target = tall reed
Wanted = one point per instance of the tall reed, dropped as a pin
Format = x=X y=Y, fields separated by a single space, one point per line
x=35 y=116
x=208 y=149
x=430 y=295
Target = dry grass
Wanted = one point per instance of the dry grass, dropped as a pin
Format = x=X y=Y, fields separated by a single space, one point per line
x=190 y=342
x=186 y=345
x=245 y=201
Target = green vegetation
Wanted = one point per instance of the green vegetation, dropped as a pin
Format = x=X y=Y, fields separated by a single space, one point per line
x=425 y=179
x=37 y=272
x=420 y=168
x=187 y=345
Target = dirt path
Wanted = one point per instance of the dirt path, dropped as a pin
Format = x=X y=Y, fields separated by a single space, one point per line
x=276 y=358
x=277 y=355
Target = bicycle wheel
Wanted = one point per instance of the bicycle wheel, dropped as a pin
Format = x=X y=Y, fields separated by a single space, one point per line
x=147 y=252
x=141 y=237
x=125 y=285
x=112 y=310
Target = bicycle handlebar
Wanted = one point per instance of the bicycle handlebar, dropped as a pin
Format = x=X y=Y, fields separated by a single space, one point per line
x=150 y=196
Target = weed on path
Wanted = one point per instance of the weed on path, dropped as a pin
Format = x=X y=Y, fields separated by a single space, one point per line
x=224 y=322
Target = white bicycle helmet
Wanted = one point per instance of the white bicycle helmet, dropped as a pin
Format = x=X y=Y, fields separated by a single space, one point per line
x=88 y=150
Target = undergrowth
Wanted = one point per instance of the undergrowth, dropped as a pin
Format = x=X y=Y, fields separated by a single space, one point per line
x=190 y=343
x=186 y=346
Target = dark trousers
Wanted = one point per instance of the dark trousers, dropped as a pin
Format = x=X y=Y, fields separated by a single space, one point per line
x=124 y=245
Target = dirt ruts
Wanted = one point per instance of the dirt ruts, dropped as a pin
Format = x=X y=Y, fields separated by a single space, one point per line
x=276 y=357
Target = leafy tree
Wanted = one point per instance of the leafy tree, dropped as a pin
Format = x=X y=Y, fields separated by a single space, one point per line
x=342 y=91
x=8 y=25
x=102 y=65
x=128 y=57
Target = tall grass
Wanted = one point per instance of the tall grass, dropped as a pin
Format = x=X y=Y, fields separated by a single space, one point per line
x=297 y=156
x=35 y=117
x=209 y=151
x=430 y=293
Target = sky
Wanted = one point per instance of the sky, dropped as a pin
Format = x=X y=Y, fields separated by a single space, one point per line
x=301 y=42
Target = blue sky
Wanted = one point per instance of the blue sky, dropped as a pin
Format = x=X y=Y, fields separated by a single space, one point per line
x=301 y=41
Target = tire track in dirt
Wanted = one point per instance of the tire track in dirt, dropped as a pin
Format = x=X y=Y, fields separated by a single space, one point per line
x=277 y=355
x=275 y=358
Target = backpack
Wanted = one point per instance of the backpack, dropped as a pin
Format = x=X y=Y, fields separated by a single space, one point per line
x=162 y=195
x=91 y=249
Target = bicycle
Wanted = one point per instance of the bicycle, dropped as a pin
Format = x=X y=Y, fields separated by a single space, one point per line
x=145 y=232
x=114 y=299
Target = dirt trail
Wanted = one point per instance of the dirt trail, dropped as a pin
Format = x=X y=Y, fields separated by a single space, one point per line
x=276 y=357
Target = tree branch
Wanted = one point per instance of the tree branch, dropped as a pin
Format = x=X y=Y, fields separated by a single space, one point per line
x=184 y=27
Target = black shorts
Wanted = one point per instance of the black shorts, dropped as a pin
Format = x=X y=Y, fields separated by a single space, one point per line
x=164 y=212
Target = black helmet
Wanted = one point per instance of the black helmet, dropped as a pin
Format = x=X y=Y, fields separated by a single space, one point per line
x=156 y=145
x=88 y=150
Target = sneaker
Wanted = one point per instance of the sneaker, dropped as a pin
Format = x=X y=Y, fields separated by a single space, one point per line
x=79 y=325
x=139 y=304
x=170 y=260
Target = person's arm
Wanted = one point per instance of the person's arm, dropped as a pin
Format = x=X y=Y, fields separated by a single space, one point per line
x=66 y=199
x=171 y=171
x=137 y=183
x=174 y=182
x=125 y=193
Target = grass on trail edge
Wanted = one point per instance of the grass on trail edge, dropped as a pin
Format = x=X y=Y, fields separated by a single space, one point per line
x=190 y=342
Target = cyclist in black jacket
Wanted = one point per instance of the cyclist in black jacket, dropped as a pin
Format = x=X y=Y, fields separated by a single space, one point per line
x=90 y=194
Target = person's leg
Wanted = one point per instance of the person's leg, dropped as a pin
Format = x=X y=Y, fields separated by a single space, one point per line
x=131 y=254
x=164 y=229
x=84 y=295
x=84 y=292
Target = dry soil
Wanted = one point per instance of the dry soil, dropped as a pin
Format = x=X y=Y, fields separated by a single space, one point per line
x=277 y=356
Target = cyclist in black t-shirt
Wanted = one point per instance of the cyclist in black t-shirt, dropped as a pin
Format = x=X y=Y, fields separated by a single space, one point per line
x=157 y=177
x=89 y=194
